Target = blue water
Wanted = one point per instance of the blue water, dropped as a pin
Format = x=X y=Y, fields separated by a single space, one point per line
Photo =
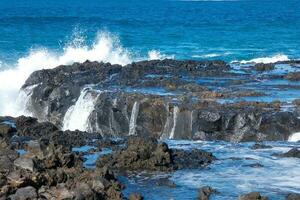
x=229 y=30
x=230 y=175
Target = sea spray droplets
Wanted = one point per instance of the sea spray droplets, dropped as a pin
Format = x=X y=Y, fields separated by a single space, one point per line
x=106 y=48
x=77 y=116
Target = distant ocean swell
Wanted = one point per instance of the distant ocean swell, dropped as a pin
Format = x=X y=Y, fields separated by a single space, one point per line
x=106 y=48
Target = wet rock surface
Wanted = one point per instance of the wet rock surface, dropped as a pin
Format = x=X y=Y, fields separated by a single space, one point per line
x=169 y=99
x=252 y=196
x=140 y=103
x=295 y=152
x=49 y=169
x=205 y=193
x=293 y=197
x=149 y=154
x=260 y=146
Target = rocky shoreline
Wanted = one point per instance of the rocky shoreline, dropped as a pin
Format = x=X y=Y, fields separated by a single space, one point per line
x=44 y=166
x=169 y=99
x=132 y=110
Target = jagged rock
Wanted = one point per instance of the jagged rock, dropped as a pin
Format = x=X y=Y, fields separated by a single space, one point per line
x=25 y=163
x=293 y=197
x=6 y=131
x=135 y=196
x=58 y=192
x=294 y=152
x=25 y=193
x=205 y=192
x=165 y=182
x=7 y=156
x=156 y=99
x=264 y=67
x=252 y=196
x=261 y=146
x=148 y=154
x=28 y=126
x=293 y=76
x=84 y=191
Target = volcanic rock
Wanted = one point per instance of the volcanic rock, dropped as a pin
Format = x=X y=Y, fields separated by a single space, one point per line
x=252 y=196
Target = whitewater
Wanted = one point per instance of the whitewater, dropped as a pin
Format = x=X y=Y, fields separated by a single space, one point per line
x=105 y=48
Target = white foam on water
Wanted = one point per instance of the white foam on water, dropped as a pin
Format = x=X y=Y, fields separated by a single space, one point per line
x=294 y=137
x=272 y=59
x=133 y=118
x=157 y=55
x=211 y=55
x=77 y=116
x=106 y=48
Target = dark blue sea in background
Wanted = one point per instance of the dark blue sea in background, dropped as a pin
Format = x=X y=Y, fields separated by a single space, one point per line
x=196 y=29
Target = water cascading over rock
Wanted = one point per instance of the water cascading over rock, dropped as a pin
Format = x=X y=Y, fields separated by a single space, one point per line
x=133 y=118
x=154 y=98
x=77 y=116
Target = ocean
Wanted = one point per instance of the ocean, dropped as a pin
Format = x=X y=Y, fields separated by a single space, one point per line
x=37 y=35
x=44 y=34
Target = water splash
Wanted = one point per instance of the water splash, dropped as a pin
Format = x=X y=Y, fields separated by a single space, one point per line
x=106 y=48
x=157 y=55
x=294 y=137
x=77 y=116
x=133 y=118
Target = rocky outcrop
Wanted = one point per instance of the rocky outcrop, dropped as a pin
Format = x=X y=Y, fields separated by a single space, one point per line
x=264 y=67
x=162 y=99
x=148 y=154
x=260 y=146
x=294 y=152
x=48 y=171
x=252 y=196
x=205 y=192
x=293 y=76
x=293 y=197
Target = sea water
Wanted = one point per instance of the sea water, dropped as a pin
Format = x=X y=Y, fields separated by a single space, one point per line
x=43 y=34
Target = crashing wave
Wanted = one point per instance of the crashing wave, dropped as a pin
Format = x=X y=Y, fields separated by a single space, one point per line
x=106 y=48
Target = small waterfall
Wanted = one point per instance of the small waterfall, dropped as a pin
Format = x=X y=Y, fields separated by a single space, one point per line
x=175 y=116
x=294 y=137
x=133 y=118
x=23 y=102
x=77 y=116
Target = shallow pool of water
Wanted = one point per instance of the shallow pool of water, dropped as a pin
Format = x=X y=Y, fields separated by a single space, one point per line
x=232 y=174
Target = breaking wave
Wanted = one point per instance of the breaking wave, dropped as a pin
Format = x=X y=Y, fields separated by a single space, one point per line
x=106 y=48
x=272 y=59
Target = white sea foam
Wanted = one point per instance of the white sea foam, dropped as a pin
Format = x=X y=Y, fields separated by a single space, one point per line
x=77 y=116
x=157 y=55
x=106 y=48
x=272 y=59
x=211 y=55
x=295 y=137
